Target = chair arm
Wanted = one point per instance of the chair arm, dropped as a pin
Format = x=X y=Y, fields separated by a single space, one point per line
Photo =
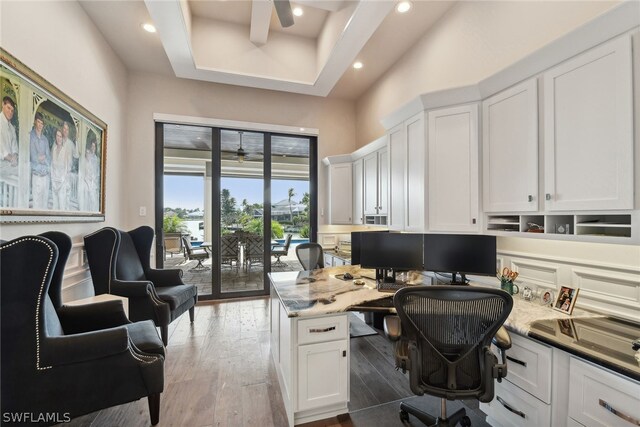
x=392 y=327
x=502 y=339
x=162 y=277
x=129 y=289
x=76 y=319
x=77 y=348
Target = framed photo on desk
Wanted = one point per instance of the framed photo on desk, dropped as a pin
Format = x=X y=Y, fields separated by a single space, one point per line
x=566 y=299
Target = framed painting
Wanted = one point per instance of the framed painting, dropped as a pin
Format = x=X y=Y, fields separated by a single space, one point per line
x=52 y=151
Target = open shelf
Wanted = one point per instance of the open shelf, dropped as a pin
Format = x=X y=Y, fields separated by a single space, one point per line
x=375 y=220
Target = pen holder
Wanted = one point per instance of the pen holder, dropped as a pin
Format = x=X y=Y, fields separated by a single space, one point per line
x=509 y=286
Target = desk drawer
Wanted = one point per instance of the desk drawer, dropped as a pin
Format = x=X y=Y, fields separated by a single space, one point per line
x=600 y=398
x=529 y=367
x=322 y=329
x=513 y=407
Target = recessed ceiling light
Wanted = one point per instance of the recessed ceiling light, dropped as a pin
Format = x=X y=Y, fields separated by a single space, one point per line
x=357 y=65
x=301 y=129
x=150 y=28
x=297 y=11
x=403 y=6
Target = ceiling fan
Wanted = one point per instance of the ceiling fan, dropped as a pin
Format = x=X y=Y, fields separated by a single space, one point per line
x=283 y=10
x=241 y=155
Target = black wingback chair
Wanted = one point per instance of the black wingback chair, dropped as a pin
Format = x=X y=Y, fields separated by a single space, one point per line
x=120 y=265
x=444 y=336
x=101 y=315
x=48 y=368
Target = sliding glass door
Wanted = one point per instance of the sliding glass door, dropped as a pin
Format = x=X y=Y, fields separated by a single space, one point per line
x=232 y=204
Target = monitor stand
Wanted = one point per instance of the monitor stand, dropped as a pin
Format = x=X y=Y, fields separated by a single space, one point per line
x=454 y=279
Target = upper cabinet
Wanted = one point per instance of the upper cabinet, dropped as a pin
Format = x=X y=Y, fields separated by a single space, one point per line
x=358 y=196
x=397 y=160
x=453 y=169
x=510 y=149
x=588 y=138
x=376 y=185
x=340 y=193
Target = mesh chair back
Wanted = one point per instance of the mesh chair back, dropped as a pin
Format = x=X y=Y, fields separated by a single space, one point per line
x=451 y=327
x=310 y=255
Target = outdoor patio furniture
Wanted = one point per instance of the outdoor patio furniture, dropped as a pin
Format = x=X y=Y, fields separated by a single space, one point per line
x=230 y=251
x=310 y=255
x=254 y=250
x=281 y=250
x=195 y=254
x=173 y=244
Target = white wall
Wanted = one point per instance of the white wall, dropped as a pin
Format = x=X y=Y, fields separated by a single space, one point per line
x=472 y=41
x=149 y=94
x=58 y=41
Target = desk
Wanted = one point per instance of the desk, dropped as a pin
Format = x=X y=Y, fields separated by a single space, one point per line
x=101 y=298
x=310 y=343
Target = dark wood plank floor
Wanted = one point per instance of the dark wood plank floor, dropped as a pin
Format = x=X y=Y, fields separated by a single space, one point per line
x=218 y=372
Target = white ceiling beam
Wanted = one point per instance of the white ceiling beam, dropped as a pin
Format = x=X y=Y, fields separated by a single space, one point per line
x=260 y=20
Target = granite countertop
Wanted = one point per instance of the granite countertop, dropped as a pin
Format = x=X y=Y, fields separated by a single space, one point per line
x=340 y=254
x=592 y=336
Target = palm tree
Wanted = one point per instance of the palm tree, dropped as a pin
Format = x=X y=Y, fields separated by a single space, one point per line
x=291 y=195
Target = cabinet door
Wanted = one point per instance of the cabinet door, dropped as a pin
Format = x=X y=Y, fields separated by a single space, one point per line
x=397 y=156
x=383 y=181
x=416 y=160
x=358 y=196
x=370 y=167
x=323 y=374
x=340 y=194
x=588 y=142
x=510 y=149
x=453 y=169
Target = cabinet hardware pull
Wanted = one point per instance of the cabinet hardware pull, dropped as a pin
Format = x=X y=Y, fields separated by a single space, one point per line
x=473 y=220
x=519 y=362
x=618 y=414
x=547 y=196
x=530 y=198
x=344 y=353
x=509 y=408
x=318 y=330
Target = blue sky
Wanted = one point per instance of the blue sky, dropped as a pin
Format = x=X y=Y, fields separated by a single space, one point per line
x=188 y=191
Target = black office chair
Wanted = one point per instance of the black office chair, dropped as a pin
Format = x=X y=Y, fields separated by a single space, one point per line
x=310 y=255
x=444 y=336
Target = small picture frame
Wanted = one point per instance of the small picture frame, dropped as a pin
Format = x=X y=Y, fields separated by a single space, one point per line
x=566 y=299
x=566 y=327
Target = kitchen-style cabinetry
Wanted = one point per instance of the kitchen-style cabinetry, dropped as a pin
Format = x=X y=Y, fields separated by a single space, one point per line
x=340 y=199
x=358 y=195
x=588 y=121
x=510 y=149
x=407 y=175
x=376 y=185
x=453 y=169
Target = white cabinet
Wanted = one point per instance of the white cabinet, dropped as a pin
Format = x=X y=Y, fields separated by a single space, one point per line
x=510 y=149
x=598 y=398
x=376 y=186
x=323 y=371
x=358 y=195
x=453 y=169
x=407 y=175
x=588 y=120
x=340 y=188
x=397 y=184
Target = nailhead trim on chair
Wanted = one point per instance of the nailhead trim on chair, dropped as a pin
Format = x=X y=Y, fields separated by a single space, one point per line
x=38 y=367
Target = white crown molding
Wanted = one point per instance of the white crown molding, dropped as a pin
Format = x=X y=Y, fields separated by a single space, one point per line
x=616 y=21
x=173 y=25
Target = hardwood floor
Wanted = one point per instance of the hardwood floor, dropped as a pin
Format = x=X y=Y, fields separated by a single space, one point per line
x=218 y=372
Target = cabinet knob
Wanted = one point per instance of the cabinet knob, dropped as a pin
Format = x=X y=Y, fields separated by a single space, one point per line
x=473 y=220
x=530 y=198
x=547 y=196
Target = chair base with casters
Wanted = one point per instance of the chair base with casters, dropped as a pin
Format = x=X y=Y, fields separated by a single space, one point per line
x=460 y=416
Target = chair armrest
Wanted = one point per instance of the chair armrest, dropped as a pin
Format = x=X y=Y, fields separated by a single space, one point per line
x=162 y=277
x=91 y=317
x=392 y=327
x=132 y=289
x=77 y=348
x=502 y=339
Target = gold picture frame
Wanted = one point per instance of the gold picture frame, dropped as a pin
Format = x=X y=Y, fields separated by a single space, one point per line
x=52 y=151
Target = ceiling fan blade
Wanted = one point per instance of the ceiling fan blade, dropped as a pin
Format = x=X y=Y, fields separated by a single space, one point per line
x=283 y=10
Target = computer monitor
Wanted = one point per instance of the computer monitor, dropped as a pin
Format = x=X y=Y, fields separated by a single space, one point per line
x=389 y=253
x=459 y=253
x=356 y=244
